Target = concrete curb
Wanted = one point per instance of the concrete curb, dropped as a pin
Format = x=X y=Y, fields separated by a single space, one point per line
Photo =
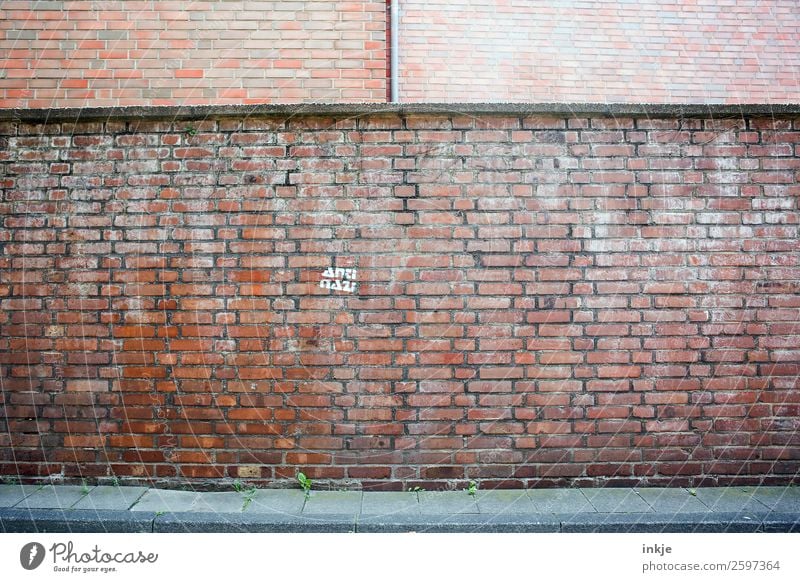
x=251 y=523
x=88 y=521
x=459 y=523
x=663 y=523
x=74 y=521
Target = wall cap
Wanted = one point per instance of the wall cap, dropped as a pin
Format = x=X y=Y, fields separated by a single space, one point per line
x=196 y=112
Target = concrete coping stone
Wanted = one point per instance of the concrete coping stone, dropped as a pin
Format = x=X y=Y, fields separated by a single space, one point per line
x=566 y=110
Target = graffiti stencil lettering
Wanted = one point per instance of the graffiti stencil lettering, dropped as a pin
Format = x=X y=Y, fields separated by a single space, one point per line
x=338 y=279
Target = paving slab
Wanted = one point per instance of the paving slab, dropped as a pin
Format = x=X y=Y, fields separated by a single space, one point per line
x=616 y=500
x=502 y=502
x=671 y=501
x=10 y=495
x=68 y=508
x=779 y=499
x=164 y=500
x=219 y=502
x=277 y=501
x=333 y=503
x=389 y=504
x=109 y=497
x=730 y=499
x=564 y=501
x=54 y=497
x=446 y=503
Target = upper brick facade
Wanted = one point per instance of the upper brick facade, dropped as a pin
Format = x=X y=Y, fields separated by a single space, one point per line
x=90 y=54
x=656 y=51
x=57 y=54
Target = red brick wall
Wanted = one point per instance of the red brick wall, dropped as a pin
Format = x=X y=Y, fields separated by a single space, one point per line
x=110 y=53
x=651 y=51
x=539 y=300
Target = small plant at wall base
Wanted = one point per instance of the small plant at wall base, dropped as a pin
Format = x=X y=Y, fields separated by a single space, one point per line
x=305 y=483
x=473 y=488
x=248 y=497
x=247 y=492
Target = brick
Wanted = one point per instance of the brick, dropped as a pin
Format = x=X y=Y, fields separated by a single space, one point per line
x=87 y=385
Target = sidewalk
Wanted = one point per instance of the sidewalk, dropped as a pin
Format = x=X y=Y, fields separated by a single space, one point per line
x=71 y=508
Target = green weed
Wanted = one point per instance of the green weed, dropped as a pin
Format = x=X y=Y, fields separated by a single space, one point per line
x=305 y=483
